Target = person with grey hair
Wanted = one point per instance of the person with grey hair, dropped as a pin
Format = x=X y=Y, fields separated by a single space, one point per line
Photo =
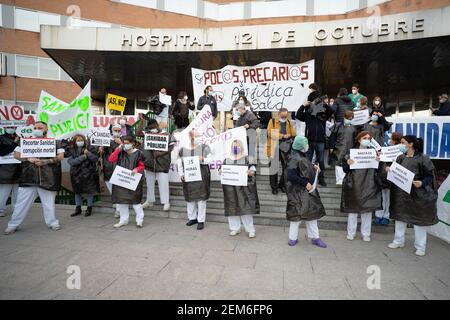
x=444 y=106
x=249 y=121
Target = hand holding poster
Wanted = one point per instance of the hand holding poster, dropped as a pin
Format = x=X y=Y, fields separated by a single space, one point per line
x=363 y=159
x=100 y=137
x=192 y=170
x=165 y=99
x=389 y=154
x=125 y=178
x=234 y=175
x=38 y=147
x=401 y=177
x=156 y=141
x=360 y=117
x=114 y=102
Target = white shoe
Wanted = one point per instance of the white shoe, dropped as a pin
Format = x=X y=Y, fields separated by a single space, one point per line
x=252 y=235
x=120 y=224
x=139 y=224
x=366 y=239
x=349 y=237
x=166 y=207
x=55 y=227
x=147 y=205
x=235 y=232
x=9 y=230
x=393 y=245
x=420 y=253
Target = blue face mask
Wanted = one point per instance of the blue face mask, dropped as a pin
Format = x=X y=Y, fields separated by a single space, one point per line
x=10 y=131
x=236 y=150
x=347 y=122
x=38 y=133
x=80 y=144
x=402 y=148
x=127 y=147
x=365 y=143
x=374 y=118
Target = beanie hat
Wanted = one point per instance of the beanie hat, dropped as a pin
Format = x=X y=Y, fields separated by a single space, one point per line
x=299 y=143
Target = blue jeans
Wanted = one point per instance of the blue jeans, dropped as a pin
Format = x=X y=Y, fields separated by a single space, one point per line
x=79 y=199
x=319 y=149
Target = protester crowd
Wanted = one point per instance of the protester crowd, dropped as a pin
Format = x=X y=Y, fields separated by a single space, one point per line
x=328 y=130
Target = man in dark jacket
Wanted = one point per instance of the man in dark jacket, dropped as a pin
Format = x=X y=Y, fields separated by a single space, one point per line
x=342 y=104
x=444 y=106
x=208 y=99
x=251 y=123
x=315 y=116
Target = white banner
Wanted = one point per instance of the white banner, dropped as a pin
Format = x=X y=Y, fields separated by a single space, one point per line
x=125 y=178
x=400 y=176
x=234 y=175
x=389 y=154
x=364 y=159
x=192 y=171
x=9 y=159
x=100 y=137
x=12 y=116
x=25 y=131
x=269 y=86
x=156 y=141
x=442 y=228
x=38 y=147
x=360 y=117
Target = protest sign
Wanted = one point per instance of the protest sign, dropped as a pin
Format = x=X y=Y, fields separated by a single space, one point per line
x=360 y=117
x=25 y=132
x=8 y=159
x=314 y=186
x=114 y=102
x=125 y=178
x=192 y=170
x=389 y=154
x=100 y=137
x=442 y=228
x=364 y=159
x=374 y=143
x=65 y=120
x=269 y=86
x=234 y=175
x=12 y=116
x=401 y=177
x=156 y=141
x=165 y=99
x=38 y=147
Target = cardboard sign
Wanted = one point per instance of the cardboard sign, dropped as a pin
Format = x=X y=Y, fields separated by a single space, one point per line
x=192 y=170
x=374 y=143
x=364 y=159
x=234 y=175
x=360 y=117
x=25 y=132
x=156 y=141
x=315 y=182
x=38 y=147
x=389 y=154
x=8 y=159
x=125 y=178
x=114 y=102
x=12 y=116
x=165 y=99
x=401 y=177
x=100 y=137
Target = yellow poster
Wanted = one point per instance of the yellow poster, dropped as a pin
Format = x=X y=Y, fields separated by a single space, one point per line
x=114 y=102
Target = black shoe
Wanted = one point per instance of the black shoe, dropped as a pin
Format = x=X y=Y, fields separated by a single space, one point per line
x=274 y=191
x=88 y=212
x=200 y=226
x=322 y=183
x=191 y=222
x=283 y=189
x=77 y=211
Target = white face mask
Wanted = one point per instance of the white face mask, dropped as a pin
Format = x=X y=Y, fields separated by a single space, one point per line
x=116 y=134
x=241 y=101
x=154 y=130
x=354 y=92
x=282 y=120
x=122 y=122
x=185 y=97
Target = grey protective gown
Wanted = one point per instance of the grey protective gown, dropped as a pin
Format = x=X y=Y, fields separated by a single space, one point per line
x=419 y=207
x=302 y=205
x=197 y=190
x=123 y=195
x=345 y=140
x=241 y=200
x=361 y=190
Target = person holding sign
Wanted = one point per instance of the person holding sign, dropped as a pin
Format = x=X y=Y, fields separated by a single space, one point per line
x=241 y=202
x=417 y=207
x=157 y=165
x=39 y=177
x=83 y=159
x=180 y=111
x=128 y=157
x=197 y=190
x=9 y=168
x=361 y=192
x=377 y=127
x=208 y=99
x=304 y=202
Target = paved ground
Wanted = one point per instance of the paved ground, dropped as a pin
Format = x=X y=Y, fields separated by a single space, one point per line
x=167 y=260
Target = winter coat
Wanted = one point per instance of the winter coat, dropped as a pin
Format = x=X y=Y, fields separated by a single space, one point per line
x=197 y=190
x=301 y=205
x=241 y=200
x=209 y=100
x=341 y=105
x=248 y=118
x=315 y=123
x=444 y=109
x=108 y=167
x=419 y=207
x=361 y=190
x=180 y=113
x=83 y=169
x=345 y=140
x=9 y=172
x=274 y=133
x=158 y=161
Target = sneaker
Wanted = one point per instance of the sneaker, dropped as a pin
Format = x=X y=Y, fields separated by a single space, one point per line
x=55 y=227
x=274 y=191
x=235 y=232
x=147 y=205
x=384 y=221
x=394 y=245
x=139 y=224
x=366 y=239
x=318 y=242
x=9 y=230
x=200 y=226
x=166 y=207
x=377 y=220
x=292 y=242
x=350 y=237
x=420 y=253
x=191 y=222
x=339 y=182
x=117 y=214
x=251 y=235
x=120 y=224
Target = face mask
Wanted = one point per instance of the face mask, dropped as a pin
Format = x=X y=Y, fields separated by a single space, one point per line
x=377 y=102
x=402 y=148
x=80 y=144
x=365 y=143
x=236 y=150
x=122 y=122
x=347 y=122
x=442 y=101
x=38 y=133
x=210 y=93
x=198 y=141
x=154 y=130
x=116 y=134
x=354 y=92
x=10 y=131
x=374 y=118
x=127 y=147
x=241 y=101
x=306 y=148
x=282 y=120
x=185 y=98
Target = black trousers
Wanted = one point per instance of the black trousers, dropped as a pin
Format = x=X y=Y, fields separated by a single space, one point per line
x=274 y=184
